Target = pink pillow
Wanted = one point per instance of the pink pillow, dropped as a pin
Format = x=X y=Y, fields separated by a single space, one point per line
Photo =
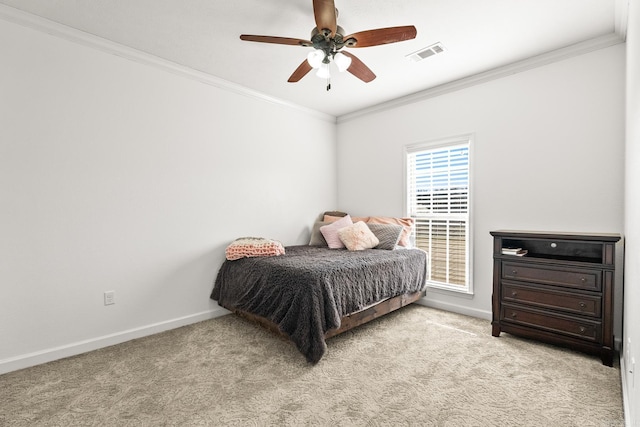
x=354 y=219
x=358 y=237
x=330 y=232
x=247 y=247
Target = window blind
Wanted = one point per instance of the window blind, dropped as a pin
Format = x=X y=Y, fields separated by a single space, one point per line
x=438 y=200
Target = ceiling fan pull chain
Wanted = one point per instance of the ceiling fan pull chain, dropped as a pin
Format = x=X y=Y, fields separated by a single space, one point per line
x=328 y=38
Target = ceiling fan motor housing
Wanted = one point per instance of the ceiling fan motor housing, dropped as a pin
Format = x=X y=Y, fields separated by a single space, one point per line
x=327 y=39
x=322 y=41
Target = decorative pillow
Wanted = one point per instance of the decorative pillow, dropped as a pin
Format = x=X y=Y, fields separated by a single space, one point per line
x=246 y=247
x=330 y=232
x=387 y=234
x=406 y=223
x=317 y=239
x=332 y=218
x=358 y=237
x=338 y=214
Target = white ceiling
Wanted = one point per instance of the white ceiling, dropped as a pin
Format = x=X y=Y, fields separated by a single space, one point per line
x=478 y=35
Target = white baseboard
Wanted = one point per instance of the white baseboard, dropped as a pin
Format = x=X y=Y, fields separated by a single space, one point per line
x=625 y=393
x=455 y=308
x=49 y=355
x=480 y=314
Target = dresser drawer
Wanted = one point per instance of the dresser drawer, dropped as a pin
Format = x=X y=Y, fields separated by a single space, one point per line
x=590 y=330
x=590 y=305
x=578 y=278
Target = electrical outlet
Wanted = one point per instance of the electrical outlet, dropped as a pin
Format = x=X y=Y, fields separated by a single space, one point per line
x=109 y=297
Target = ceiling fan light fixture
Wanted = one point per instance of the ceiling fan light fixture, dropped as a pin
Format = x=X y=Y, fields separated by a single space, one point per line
x=323 y=71
x=315 y=58
x=343 y=62
x=327 y=38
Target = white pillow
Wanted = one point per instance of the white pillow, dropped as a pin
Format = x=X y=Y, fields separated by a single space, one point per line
x=358 y=237
x=330 y=232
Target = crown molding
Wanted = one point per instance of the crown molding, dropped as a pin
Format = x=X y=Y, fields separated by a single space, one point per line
x=493 y=74
x=38 y=23
x=73 y=35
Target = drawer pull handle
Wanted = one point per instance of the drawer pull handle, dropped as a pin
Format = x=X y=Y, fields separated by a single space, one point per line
x=514 y=271
x=582 y=305
x=583 y=280
x=582 y=329
x=514 y=315
x=514 y=294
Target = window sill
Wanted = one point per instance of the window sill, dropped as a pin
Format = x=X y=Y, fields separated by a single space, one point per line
x=448 y=290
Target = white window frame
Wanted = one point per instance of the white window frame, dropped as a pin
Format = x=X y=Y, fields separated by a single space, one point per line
x=453 y=141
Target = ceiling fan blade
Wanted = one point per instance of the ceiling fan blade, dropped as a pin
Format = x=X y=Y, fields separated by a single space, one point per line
x=300 y=72
x=358 y=69
x=276 y=40
x=381 y=36
x=325 y=14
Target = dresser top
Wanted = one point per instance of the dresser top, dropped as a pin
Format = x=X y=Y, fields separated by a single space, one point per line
x=607 y=237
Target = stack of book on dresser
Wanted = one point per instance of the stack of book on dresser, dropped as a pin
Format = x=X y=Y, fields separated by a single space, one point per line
x=514 y=251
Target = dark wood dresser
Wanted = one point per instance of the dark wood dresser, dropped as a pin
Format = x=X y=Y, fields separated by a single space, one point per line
x=558 y=289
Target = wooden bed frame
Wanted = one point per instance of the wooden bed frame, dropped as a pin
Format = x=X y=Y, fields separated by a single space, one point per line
x=346 y=322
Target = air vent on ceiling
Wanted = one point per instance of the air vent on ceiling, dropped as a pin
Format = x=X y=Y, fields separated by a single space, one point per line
x=428 y=51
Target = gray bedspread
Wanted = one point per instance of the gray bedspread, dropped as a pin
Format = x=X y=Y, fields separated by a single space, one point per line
x=307 y=290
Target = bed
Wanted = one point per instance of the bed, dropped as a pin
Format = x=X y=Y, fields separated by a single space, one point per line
x=311 y=293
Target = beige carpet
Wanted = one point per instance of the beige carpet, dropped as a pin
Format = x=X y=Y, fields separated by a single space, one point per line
x=415 y=367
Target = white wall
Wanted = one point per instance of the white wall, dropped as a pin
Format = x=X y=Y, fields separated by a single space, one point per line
x=547 y=155
x=631 y=342
x=119 y=175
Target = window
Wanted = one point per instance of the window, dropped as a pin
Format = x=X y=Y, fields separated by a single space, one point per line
x=438 y=199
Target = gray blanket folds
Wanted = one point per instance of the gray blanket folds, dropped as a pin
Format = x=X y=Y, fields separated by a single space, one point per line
x=307 y=290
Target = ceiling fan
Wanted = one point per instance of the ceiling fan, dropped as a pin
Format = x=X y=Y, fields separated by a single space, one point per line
x=328 y=39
